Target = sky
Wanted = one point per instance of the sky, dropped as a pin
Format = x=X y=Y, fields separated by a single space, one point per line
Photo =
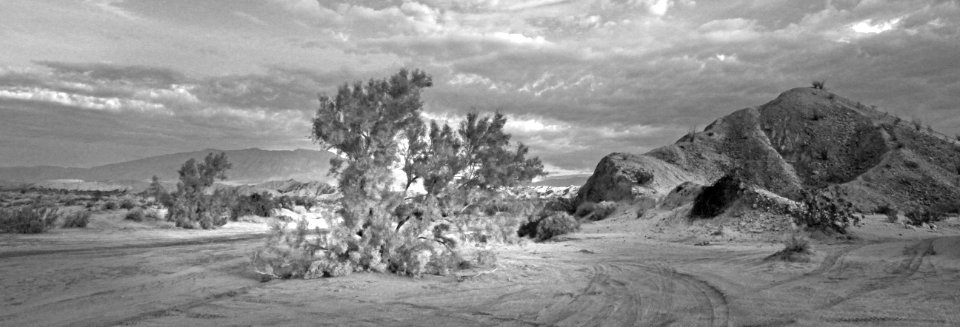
x=86 y=83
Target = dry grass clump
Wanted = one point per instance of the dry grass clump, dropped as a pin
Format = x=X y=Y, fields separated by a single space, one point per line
x=31 y=219
x=78 y=219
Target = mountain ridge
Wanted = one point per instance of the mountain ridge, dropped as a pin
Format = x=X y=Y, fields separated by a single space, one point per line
x=250 y=166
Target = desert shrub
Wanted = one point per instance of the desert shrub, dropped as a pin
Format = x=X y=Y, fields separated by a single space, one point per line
x=78 y=219
x=891 y=213
x=128 y=203
x=716 y=198
x=918 y=217
x=795 y=248
x=567 y=205
x=818 y=84
x=135 y=215
x=548 y=224
x=258 y=204
x=286 y=254
x=556 y=224
x=499 y=228
x=30 y=219
x=825 y=210
x=110 y=205
x=153 y=214
x=200 y=210
x=596 y=211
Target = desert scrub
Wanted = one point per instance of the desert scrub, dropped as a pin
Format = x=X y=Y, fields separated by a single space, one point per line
x=796 y=248
x=548 y=224
x=31 y=219
x=78 y=219
x=825 y=210
x=135 y=215
x=596 y=211
x=919 y=217
x=257 y=204
x=287 y=253
x=128 y=203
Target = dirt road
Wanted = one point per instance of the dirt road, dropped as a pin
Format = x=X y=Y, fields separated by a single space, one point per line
x=611 y=274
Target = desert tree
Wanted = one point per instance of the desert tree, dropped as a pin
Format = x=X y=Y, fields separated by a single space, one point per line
x=362 y=124
x=192 y=206
x=414 y=151
x=488 y=161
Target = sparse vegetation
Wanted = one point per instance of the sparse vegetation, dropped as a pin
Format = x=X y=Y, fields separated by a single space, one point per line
x=29 y=219
x=796 y=248
x=825 y=210
x=127 y=203
x=78 y=219
x=818 y=84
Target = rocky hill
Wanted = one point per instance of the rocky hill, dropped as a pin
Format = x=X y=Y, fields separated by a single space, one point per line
x=805 y=138
x=250 y=166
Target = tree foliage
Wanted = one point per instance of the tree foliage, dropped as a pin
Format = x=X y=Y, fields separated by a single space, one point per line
x=192 y=206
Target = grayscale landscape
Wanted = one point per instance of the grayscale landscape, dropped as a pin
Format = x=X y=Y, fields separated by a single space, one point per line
x=479 y=163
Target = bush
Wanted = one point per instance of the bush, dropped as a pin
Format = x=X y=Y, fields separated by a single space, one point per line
x=128 y=203
x=548 y=224
x=796 y=248
x=200 y=210
x=257 y=204
x=922 y=216
x=286 y=254
x=818 y=84
x=78 y=219
x=153 y=214
x=135 y=215
x=110 y=205
x=825 y=210
x=596 y=211
x=30 y=219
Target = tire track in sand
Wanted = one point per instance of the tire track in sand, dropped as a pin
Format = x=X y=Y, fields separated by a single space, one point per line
x=632 y=294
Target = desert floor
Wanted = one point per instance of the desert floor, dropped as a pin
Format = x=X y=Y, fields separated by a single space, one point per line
x=616 y=272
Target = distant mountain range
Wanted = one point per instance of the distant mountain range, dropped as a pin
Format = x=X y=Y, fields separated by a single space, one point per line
x=250 y=166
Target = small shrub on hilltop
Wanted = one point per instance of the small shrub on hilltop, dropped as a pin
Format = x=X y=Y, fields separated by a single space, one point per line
x=818 y=84
x=825 y=210
x=78 y=219
x=30 y=219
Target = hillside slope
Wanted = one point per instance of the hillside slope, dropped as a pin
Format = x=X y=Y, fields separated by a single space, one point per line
x=250 y=166
x=805 y=138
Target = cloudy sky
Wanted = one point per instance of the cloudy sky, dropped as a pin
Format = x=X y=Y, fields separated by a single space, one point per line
x=85 y=83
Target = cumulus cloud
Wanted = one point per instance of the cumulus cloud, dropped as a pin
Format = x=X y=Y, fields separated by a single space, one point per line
x=578 y=79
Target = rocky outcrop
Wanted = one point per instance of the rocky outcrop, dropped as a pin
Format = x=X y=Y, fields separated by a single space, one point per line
x=623 y=176
x=805 y=138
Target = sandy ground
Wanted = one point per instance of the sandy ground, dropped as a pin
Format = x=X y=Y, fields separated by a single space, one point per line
x=619 y=272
